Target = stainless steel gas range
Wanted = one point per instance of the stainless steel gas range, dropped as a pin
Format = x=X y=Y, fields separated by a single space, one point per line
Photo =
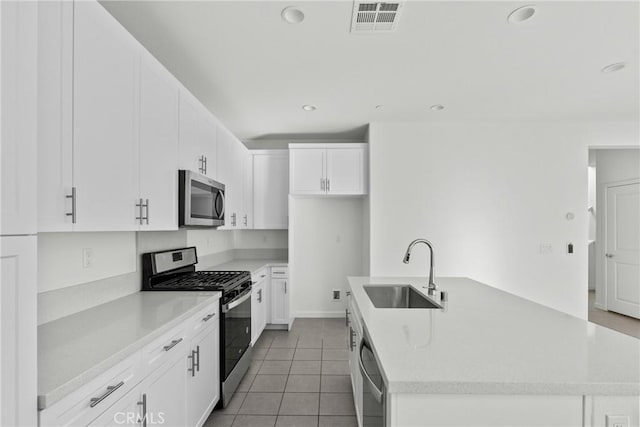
x=175 y=270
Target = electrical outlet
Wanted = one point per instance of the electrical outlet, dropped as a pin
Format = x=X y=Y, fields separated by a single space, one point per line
x=87 y=257
x=335 y=295
x=618 y=421
x=569 y=248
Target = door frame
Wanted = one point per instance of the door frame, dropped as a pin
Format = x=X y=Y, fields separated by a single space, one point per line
x=600 y=256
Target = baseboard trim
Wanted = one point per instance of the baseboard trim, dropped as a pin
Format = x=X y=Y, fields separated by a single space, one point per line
x=320 y=314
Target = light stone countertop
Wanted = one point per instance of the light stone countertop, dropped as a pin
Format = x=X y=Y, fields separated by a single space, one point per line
x=252 y=265
x=75 y=349
x=487 y=341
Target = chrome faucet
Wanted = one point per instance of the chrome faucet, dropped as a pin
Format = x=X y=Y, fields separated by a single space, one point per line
x=432 y=286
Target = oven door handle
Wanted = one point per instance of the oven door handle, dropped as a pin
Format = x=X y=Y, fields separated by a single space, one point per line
x=368 y=382
x=236 y=302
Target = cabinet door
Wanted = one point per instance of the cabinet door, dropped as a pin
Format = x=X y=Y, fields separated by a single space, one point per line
x=190 y=150
x=19 y=50
x=279 y=301
x=345 y=171
x=203 y=383
x=307 y=168
x=104 y=135
x=271 y=190
x=18 y=331
x=230 y=174
x=255 y=313
x=164 y=393
x=208 y=142
x=55 y=110
x=247 y=219
x=158 y=146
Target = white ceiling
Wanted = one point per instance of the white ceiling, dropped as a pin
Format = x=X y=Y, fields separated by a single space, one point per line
x=255 y=71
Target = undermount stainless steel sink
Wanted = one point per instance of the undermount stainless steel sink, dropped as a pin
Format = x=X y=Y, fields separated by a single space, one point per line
x=398 y=296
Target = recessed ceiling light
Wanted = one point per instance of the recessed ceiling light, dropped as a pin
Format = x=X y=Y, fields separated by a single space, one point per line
x=292 y=15
x=309 y=107
x=437 y=107
x=522 y=14
x=379 y=107
x=612 y=68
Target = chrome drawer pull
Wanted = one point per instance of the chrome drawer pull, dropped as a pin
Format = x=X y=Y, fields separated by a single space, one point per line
x=95 y=400
x=208 y=317
x=173 y=344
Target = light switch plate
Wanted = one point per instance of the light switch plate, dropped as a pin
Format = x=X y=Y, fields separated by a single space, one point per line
x=618 y=421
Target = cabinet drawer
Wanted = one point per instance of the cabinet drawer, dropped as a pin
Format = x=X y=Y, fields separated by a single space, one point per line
x=279 y=272
x=91 y=400
x=164 y=348
x=208 y=316
x=260 y=275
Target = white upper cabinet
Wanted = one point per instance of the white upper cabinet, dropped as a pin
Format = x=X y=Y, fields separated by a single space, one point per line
x=19 y=50
x=230 y=160
x=246 y=221
x=307 y=171
x=104 y=126
x=159 y=134
x=198 y=137
x=271 y=189
x=346 y=173
x=328 y=169
x=55 y=115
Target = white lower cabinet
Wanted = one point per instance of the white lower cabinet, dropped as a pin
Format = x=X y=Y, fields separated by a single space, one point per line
x=279 y=291
x=18 y=331
x=203 y=375
x=259 y=302
x=153 y=386
x=355 y=335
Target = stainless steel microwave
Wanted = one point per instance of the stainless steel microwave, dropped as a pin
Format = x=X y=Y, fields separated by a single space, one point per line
x=201 y=200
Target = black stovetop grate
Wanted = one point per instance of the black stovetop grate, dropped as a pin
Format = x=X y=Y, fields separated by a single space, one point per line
x=214 y=280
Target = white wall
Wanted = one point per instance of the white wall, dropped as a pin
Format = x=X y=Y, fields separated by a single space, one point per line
x=326 y=241
x=60 y=258
x=261 y=239
x=612 y=166
x=210 y=241
x=488 y=195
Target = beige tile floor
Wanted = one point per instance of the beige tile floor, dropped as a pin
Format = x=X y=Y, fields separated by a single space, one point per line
x=298 y=378
x=609 y=319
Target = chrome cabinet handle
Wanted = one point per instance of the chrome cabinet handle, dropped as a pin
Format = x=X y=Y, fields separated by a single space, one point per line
x=245 y=220
x=328 y=185
x=346 y=312
x=143 y=403
x=139 y=206
x=192 y=369
x=285 y=286
x=146 y=206
x=173 y=344
x=197 y=362
x=72 y=196
x=259 y=295
x=208 y=317
x=233 y=219
x=263 y=276
x=609 y=255
x=277 y=272
x=348 y=293
x=95 y=400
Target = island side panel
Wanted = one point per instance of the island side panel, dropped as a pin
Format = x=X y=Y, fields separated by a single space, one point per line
x=422 y=410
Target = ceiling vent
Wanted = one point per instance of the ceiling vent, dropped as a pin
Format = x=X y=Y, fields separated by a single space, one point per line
x=373 y=17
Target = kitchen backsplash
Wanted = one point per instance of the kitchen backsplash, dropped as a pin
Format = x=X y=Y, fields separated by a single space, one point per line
x=69 y=282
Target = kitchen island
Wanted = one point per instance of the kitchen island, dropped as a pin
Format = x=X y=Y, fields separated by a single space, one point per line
x=491 y=358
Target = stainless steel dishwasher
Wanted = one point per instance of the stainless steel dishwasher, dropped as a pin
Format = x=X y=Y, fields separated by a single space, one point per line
x=373 y=388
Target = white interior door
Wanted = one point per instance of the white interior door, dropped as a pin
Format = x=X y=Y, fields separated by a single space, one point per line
x=623 y=249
